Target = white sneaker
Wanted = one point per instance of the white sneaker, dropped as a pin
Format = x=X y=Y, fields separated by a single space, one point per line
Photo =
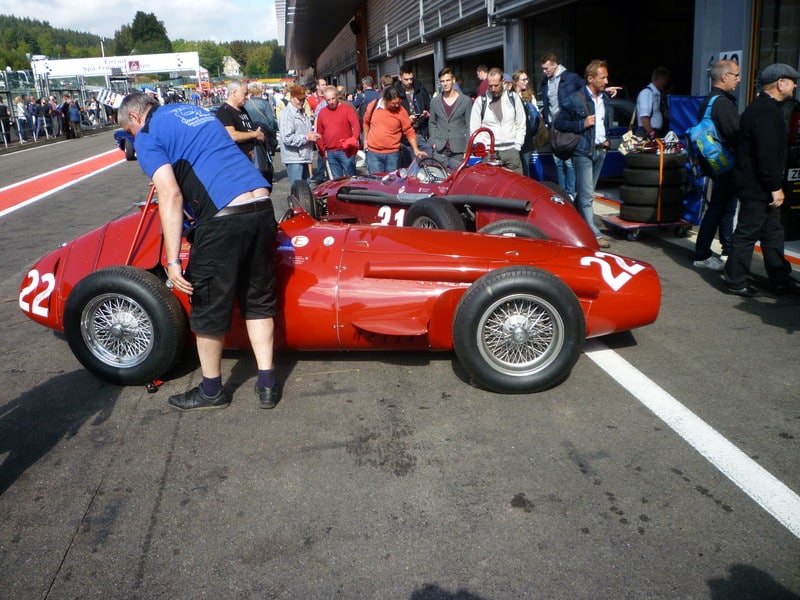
x=712 y=263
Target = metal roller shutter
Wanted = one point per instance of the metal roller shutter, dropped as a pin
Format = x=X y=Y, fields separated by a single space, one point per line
x=473 y=40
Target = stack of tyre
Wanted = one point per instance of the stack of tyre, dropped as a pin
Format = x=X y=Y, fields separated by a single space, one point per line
x=642 y=188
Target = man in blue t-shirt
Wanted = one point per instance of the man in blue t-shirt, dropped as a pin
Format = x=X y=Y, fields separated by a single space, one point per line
x=198 y=169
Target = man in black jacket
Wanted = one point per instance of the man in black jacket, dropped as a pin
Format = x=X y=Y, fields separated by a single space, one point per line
x=417 y=102
x=758 y=176
x=721 y=209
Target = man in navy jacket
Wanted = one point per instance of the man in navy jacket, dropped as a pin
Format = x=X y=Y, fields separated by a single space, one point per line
x=588 y=111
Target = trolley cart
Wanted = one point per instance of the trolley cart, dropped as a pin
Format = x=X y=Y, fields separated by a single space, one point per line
x=632 y=228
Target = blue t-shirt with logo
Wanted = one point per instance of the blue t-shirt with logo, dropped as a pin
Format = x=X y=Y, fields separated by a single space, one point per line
x=209 y=167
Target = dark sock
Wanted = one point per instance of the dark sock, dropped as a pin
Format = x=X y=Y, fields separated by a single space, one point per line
x=211 y=385
x=266 y=378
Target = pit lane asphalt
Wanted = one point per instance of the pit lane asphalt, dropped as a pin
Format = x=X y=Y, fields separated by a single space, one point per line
x=386 y=475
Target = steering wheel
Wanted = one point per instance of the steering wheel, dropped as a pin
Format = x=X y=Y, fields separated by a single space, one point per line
x=428 y=165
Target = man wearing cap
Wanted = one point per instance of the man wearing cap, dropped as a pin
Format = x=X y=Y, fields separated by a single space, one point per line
x=758 y=175
x=338 y=128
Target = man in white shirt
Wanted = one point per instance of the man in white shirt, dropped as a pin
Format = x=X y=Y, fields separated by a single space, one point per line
x=649 y=110
x=502 y=112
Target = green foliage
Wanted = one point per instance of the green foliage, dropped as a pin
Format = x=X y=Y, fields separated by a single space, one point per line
x=144 y=35
x=277 y=62
x=149 y=34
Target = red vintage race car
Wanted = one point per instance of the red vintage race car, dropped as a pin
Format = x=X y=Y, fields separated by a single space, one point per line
x=515 y=310
x=481 y=197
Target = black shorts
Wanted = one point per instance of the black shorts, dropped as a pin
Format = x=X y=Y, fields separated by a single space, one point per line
x=232 y=258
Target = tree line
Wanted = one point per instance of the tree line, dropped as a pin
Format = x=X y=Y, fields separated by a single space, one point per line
x=24 y=37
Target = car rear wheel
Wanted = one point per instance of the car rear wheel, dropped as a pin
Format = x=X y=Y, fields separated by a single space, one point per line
x=513 y=228
x=302 y=192
x=130 y=151
x=124 y=325
x=518 y=330
x=434 y=213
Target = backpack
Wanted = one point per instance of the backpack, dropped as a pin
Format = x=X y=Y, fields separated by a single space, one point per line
x=362 y=107
x=511 y=99
x=533 y=121
x=705 y=146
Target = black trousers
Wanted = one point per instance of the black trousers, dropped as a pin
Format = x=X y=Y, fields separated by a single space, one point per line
x=757 y=222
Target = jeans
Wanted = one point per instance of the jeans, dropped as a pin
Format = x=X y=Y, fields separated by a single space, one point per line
x=22 y=124
x=719 y=214
x=565 y=170
x=587 y=172
x=320 y=173
x=296 y=172
x=382 y=162
x=339 y=164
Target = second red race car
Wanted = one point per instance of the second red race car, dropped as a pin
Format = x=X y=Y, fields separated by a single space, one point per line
x=479 y=196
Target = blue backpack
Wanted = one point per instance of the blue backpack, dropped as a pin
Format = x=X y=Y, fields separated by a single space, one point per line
x=706 y=148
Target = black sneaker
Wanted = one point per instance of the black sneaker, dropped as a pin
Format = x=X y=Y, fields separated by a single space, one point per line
x=195 y=399
x=268 y=397
x=745 y=291
x=790 y=286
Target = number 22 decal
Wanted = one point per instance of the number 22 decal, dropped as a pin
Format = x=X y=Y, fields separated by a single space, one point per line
x=615 y=282
x=38 y=305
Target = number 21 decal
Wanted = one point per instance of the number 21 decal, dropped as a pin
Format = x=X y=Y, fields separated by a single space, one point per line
x=37 y=305
x=385 y=216
x=615 y=282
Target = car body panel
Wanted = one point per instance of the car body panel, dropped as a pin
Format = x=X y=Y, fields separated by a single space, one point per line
x=361 y=287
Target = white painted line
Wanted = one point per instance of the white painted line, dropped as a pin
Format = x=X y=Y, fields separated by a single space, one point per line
x=55 y=189
x=770 y=493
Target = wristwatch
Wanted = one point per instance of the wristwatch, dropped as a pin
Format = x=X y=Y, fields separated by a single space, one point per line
x=177 y=261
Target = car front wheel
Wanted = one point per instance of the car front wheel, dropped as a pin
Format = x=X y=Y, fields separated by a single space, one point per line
x=124 y=325
x=518 y=330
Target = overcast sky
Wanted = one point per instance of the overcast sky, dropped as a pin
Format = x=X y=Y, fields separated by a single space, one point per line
x=217 y=20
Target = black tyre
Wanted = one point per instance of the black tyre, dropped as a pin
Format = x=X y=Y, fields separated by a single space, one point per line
x=302 y=192
x=518 y=330
x=130 y=151
x=641 y=160
x=124 y=325
x=558 y=191
x=513 y=228
x=434 y=213
x=648 y=196
x=647 y=214
x=650 y=177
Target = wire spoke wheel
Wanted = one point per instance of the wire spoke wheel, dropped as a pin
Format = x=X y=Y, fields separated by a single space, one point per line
x=521 y=334
x=117 y=330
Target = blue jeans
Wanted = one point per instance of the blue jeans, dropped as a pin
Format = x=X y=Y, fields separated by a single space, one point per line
x=587 y=172
x=339 y=164
x=320 y=174
x=382 y=162
x=296 y=172
x=719 y=215
x=21 y=126
x=565 y=170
